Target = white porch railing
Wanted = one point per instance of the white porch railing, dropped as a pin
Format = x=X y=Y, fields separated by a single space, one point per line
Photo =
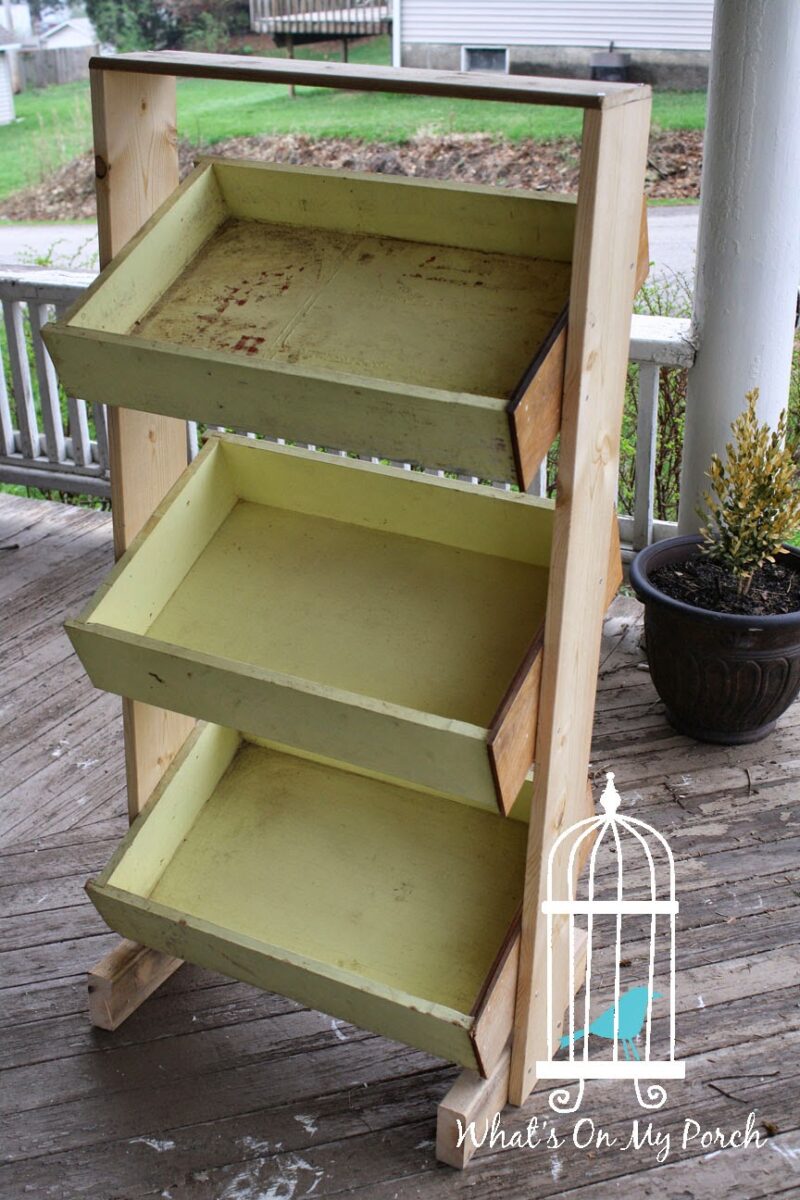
x=45 y=437
x=45 y=443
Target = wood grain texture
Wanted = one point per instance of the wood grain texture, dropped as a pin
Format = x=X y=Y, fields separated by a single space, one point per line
x=136 y=161
x=512 y=737
x=494 y=1013
x=576 y=93
x=478 y=1098
x=136 y=167
x=123 y=980
x=513 y=732
x=471 y=1099
x=606 y=254
x=643 y=259
x=535 y=412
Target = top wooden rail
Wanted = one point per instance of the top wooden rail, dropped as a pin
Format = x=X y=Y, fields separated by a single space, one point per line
x=522 y=89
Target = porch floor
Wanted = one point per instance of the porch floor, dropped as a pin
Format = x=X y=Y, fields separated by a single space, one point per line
x=213 y=1090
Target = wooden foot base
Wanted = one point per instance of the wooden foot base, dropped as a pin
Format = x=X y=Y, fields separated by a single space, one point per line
x=122 y=980
x=471 y=1098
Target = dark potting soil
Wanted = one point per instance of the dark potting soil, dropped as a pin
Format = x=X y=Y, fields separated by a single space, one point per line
x=774 y=590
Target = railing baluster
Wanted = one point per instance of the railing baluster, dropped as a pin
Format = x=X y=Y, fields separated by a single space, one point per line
x=21 y=378
x=78 y=420
x=101 y=434
x=48 y=385
x=539 y=485
x=646 y=432
x=6 y=423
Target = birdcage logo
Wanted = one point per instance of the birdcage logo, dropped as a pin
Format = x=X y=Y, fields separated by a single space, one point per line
x=627 y=1022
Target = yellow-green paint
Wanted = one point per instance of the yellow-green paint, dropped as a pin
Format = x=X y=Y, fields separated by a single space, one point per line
x=390 y=317
x=412 y=622
x=369 y=901
x=470 y=216
x=346 y=635
x=421 y=314
x=149 y=263
x=500 y=524
x=326 y=408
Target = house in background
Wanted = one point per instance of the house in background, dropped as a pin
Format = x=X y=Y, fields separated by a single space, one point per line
x=55 y=50
x=74 y=31
x=293 y=23
x=8 y=44
x=667 y=44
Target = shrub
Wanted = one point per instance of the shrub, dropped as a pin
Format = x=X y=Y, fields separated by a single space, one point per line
x=753 y=506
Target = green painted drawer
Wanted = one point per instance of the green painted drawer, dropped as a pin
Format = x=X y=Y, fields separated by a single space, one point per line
x=387 y=907
x=381 y=618
x=416 y=320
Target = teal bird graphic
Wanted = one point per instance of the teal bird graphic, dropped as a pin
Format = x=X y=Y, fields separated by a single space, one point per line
x=632 y=1013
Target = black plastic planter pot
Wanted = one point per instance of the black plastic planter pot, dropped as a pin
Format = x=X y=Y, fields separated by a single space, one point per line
x=723 y=677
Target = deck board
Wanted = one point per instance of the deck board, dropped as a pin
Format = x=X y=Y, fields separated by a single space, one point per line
x=214 y=1090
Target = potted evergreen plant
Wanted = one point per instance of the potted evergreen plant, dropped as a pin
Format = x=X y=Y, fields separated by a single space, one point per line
x=722 y=608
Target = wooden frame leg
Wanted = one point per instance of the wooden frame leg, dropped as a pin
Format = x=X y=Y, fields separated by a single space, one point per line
x=472 y=1099
x=122 y=980
x=604 y=276
x=136 y=162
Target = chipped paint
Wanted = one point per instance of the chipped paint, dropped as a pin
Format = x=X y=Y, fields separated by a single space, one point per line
x=309 y=1123
x=155 y=1143
x=336 y=1027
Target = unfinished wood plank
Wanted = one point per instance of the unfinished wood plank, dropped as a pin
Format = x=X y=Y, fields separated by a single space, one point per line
x=494 y=1013
x=136 y=164
x=606 y=254
x=122 y=980
x=643 y=258
x=528 y=89
x=471 y=1099
x=512 y=736
x=535 y=412
x=476 y=1099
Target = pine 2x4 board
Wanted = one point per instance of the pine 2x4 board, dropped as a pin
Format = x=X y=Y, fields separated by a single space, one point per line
x=134 y=115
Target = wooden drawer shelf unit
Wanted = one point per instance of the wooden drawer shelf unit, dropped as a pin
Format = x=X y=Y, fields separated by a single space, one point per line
x=411 y=660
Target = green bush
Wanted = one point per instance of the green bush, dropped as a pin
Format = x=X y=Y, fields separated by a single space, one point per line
x=753 y=505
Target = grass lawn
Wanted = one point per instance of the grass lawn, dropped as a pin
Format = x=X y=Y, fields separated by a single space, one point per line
x=55 y=124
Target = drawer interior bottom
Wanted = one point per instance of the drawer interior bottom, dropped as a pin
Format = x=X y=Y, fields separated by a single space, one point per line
x=254 y=861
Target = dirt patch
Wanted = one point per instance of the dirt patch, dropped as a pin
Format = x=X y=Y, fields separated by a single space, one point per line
x=673 y=168
x=774 y=590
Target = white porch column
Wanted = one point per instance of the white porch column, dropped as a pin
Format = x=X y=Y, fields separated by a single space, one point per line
x=748 y=256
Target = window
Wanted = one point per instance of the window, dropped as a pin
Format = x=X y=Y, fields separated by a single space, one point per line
x=484 y=58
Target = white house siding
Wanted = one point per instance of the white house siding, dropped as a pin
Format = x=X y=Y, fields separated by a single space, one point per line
x=6 y=93
x=630 y=24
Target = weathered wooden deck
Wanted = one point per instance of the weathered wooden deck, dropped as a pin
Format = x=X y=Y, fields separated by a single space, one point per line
x=213 y=1091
